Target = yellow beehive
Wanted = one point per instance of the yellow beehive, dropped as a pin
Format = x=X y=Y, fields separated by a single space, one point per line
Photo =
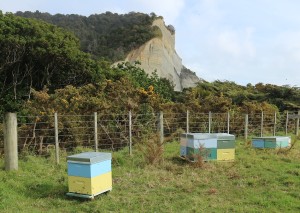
x=89 y=174
x=90 y=186
x=225 y=154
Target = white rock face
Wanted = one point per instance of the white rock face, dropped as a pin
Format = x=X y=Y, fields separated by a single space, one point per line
x=159 y=54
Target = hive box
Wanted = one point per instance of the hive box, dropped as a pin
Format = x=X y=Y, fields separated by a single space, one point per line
x=89 y=174
x=271 y=142
x=214 y=146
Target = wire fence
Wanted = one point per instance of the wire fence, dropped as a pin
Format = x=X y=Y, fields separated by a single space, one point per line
x=42 y=133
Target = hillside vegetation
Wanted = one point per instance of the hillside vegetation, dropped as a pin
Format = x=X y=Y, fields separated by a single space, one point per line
x=107 y=35
x=41 y=62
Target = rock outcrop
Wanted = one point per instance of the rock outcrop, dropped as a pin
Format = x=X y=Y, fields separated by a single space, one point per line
x=159 y=55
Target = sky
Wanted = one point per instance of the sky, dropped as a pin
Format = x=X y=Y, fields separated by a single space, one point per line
x=244 y=41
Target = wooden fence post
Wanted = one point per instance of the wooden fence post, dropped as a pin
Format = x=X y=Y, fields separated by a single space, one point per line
x=10 y=141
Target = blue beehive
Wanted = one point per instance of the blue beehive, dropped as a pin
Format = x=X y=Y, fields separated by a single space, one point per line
x=215 y=146
x=271 y=142
x=89 y=174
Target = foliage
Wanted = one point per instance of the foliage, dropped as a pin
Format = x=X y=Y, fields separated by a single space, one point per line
x=35 y=54
x=140 y=79
x=227 y=96
x=198 y=159
x=152 y=149
x=108 y=35
x=285 y=97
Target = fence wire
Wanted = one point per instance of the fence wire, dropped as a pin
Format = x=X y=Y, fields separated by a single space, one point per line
x=36 y=134
x=115 y=131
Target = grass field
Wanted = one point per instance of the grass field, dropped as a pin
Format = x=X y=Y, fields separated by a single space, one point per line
x=257 y=181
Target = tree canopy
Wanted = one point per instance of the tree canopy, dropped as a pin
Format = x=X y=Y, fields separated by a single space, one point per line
x=35 y=54
x=108 y=35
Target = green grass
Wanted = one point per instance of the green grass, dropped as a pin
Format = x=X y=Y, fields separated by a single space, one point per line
x=257 y=181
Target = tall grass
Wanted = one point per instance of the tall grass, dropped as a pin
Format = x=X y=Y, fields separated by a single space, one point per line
x=257 y=181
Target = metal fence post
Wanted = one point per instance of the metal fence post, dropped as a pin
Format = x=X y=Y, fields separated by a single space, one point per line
x=246 y=126
x=56 y=138
x=297 y=124
x=228 y=121
x=209 y=122
x=286 y=122
x=10 y=131
x=161 y=126
x=187 y=121
x=275 y=123
x=262 y=124
x=130 y=133
x=96 y=131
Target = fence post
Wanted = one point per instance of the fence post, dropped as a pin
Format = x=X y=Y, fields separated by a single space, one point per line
x=275 y=123
x=187 y=121
x=209 y=121
x=56 y=138
x=246 y=126
x=130 y=133
x=297 y=124
x=10 y=141
x=96 y=131
x=228 y=121
x=262 y=124
x=286 y=122
x=161 y=126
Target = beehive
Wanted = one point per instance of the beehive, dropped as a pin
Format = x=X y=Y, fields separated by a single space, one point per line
x=215 y=146
x=272 y=142
x=89 y=174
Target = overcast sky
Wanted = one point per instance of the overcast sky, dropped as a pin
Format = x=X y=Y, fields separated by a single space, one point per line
x=245 y=41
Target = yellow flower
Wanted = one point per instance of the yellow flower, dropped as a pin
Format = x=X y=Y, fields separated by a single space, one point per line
x=151 y=88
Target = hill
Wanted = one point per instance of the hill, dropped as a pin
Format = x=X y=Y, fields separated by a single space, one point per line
x=50 y=62
x=108 y=35
x=129 y=37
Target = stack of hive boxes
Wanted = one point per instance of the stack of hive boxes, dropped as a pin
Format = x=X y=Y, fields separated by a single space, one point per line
x=89 y=174
x=271 y=142
x=214 y=146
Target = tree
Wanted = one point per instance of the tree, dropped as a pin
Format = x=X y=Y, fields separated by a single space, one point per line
x=108 y=35
x=35 y=54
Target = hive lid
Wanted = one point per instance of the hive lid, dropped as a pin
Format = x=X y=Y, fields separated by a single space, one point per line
x=224 y=136
x=272 y=137
x=202 y=136
x=199 y=136
x=90 y=157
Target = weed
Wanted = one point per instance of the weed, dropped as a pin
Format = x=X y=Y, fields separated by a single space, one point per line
x=152 y=149
x=199 y=157
x=285 y=151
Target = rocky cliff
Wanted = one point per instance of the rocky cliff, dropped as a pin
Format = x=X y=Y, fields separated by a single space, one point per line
x=159 y=55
